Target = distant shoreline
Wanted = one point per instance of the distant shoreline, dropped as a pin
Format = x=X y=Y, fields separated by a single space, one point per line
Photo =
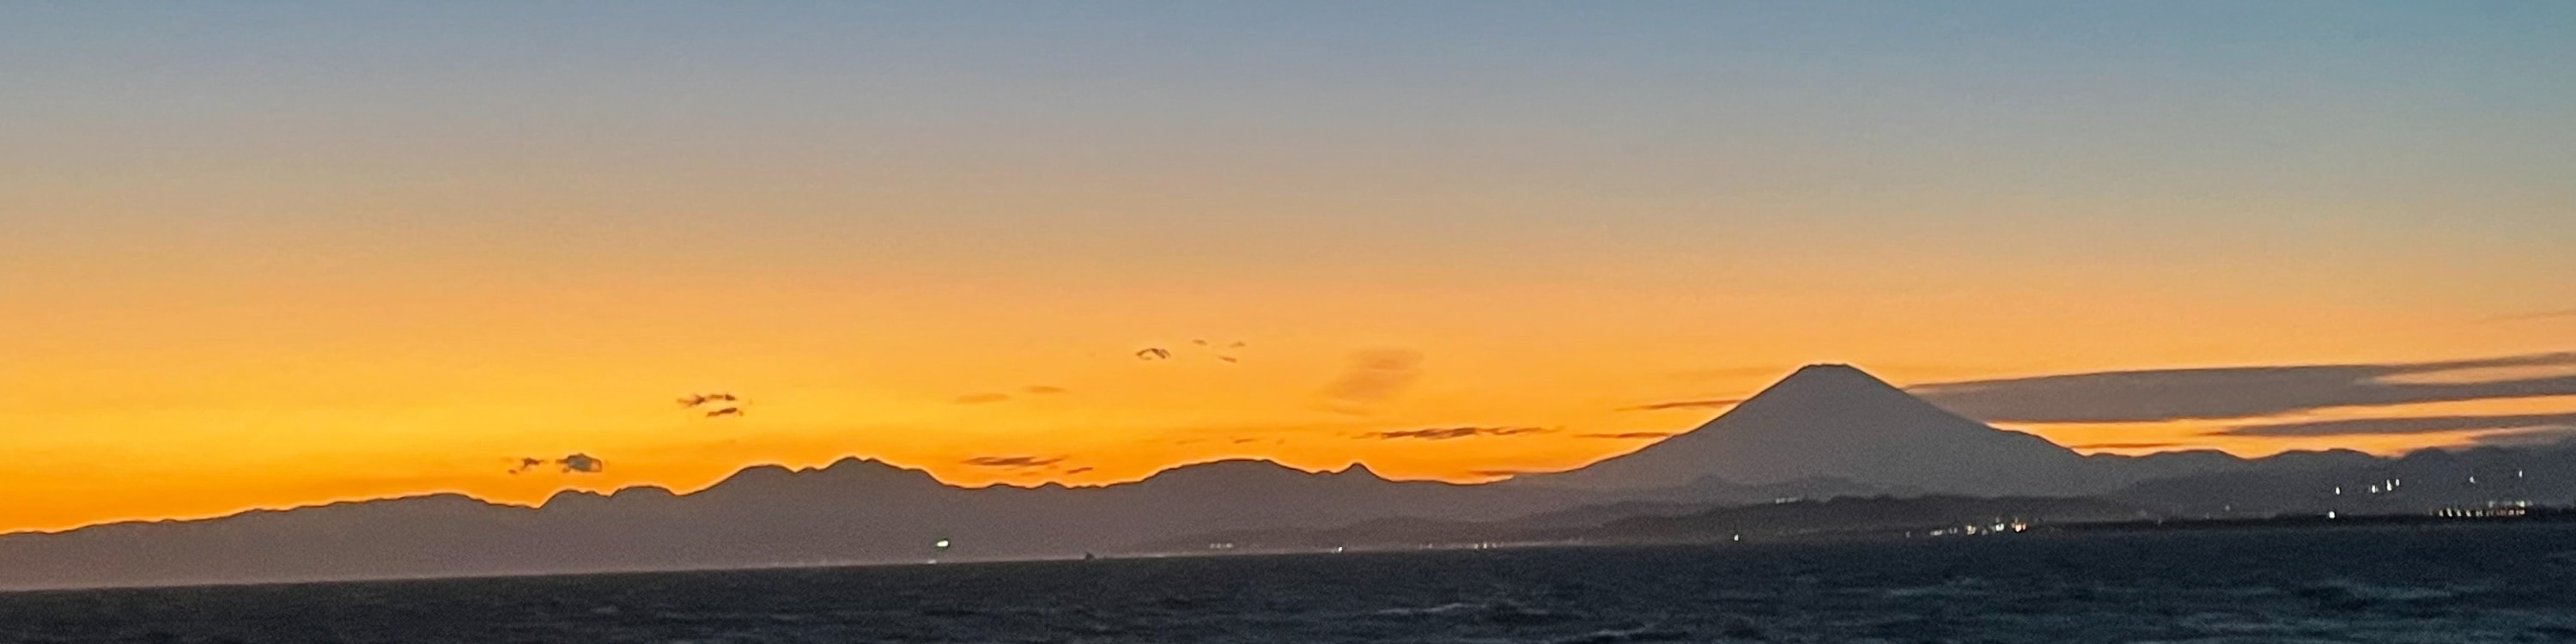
x=2528 y=515
x=2532 y=516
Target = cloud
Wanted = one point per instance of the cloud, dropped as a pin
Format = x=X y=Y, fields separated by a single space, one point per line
x=1448 y=433
x=570 y=464
x=1732 y=373
x=1629 y=435
x=990 y=397
x=2234 y=392
x=1078 y=470
x=2414 y=425
x=2525 y=317
x=1686 y=404
x=1373 y=376
x=582 y=464
x=2546 y=436
x=1014 y=462
x=2125 y=445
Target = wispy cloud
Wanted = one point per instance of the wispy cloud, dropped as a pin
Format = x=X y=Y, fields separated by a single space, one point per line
x=570 y=464
x=2552 y=436
x=1014 y=462
x=1628 y=435
x=1450 y=433
x=990 y=397
x=582 y=463
x=2125 y=445
x=1373 y=376
x=1733 y=373
x=2235 y=392
x=2413 y=425
x=2524 y=317
x=1716 y=403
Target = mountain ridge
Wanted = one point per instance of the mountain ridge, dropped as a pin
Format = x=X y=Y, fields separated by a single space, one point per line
x=1825 y=431
x=763 y=469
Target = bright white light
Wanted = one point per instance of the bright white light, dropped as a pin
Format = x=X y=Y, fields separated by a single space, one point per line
x=940 y=544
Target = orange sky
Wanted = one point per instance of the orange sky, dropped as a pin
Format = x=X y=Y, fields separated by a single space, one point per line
x=306 y=386
x=262 y=263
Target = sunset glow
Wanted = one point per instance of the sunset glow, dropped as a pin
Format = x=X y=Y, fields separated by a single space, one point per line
x=397 y=254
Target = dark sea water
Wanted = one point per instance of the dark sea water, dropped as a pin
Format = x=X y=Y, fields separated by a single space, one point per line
x=2452 y=584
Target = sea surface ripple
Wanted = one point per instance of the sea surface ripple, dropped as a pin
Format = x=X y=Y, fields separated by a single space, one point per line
x=2444 y=584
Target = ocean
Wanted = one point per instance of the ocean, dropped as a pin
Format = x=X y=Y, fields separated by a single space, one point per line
x=2467 y=583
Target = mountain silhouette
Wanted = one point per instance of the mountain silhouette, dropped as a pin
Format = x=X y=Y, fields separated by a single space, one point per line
x=1836 y=421
x=854 y=511
x=2421 y=482
x=1824 y=432
x=1840 y=517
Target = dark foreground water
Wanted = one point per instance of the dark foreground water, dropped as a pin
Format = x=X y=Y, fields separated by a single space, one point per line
x=2457 y=584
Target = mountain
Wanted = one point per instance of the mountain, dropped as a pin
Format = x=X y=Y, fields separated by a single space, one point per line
x=2425 y=481
x=1854 y=434
x=851 y=512
x=2124 y=471
x=1824 y=432
x=1836 y=421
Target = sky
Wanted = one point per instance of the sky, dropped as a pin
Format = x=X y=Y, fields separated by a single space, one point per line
x=266 y=254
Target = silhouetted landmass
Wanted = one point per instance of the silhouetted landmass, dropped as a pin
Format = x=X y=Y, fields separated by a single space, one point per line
x=2322 y=522
x=1837 y=422
x=851 y=512
x=1861 y=514
x=2299 y=490
x=1803 y=519
x=1828 y=450
x=2422 y=482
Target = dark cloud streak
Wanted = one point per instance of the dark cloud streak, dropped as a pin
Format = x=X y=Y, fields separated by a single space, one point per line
x=1686 y=404
x=1450 y=433
x=2234 y=392
x=581 y=464
x=575 y=463
x=2415 y=425
x=2126 y=445
x=1014 y=462
x=1629 y=435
